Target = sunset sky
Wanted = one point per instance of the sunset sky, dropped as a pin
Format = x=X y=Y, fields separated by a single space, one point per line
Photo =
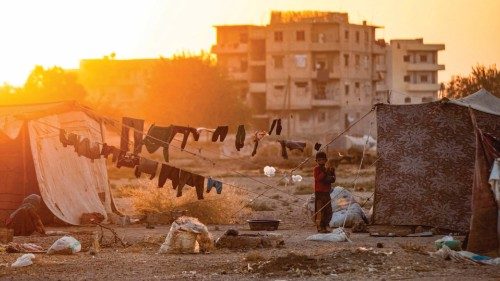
x=61 y=32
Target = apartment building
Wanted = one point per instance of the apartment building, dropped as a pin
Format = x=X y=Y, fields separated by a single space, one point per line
x=315 y=70
x=412 y=71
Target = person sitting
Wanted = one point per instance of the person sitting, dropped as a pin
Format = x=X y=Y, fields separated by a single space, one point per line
x=25 y=220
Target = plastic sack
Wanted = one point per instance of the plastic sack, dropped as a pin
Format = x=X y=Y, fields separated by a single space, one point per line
x=269 y=171
x=296 y=178
x=337 y=235
x=449 y=242
x=187 y=235
x=24 y=260
x=354 y=214
x=66 y=245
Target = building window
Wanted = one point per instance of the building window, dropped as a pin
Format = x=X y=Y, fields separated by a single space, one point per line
x=278 y=36
x=321 y=117
x=423 y=58
x=279 y=87
x=346 y=60
x=356 y=85
x=423 y=78
x=406 y=58
x=357 y=36
x=278 y=62
x=356 y=60
x=244 y=38
x=346 y=35
x=407 y=78
x=301 y=35
x=346 y=89
x=301 y=61
x=407 y=100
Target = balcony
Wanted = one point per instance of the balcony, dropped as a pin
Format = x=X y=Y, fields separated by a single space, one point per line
x=257 y=87
x=332 y=74
x=428 y=87
x=235 y=48
x=424 y=67
x=324 y=102
x=324 y=46
x=425 y=47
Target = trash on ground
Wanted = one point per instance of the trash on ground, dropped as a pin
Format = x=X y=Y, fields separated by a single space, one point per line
x=448 y=254
x=250 y=241
x=187 y=235
x=448 y=241
x=337 y=235
x=66 y=245
x=24 y=248
x=269 y=171
x=24 y=260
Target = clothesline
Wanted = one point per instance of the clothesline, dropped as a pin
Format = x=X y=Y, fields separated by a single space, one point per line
x=162 y=162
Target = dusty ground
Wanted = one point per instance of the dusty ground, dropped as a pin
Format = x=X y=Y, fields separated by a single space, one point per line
x=297 y=260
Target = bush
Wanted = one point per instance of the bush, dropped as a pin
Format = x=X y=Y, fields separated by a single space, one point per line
x=260 y=206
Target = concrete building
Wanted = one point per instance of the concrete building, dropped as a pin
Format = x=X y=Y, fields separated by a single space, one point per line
x=315 y=70
x=412 y=71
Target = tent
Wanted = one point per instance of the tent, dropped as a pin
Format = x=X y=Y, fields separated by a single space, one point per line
x=32 y=160
x=427 y=161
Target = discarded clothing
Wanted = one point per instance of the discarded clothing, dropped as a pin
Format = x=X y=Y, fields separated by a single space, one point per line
x=168 y=172
x=158 y=137
x=258 y=136
x=240 y=137
x=138 y=126
x=290 y=145
x=193 y=180
x=185 y=131
x=214 y=183
x=109 y=149
x=25 y=220
x=277 y=123
x=146 y=166
x=317 y=146
x=221 y=132
x=127 y=160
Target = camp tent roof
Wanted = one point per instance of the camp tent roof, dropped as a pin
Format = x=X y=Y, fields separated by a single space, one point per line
x=481 y=100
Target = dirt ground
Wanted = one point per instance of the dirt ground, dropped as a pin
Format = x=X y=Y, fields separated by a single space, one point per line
x=297 y=260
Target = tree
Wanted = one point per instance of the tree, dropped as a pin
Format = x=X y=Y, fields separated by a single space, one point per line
x=481 y=77
x=52 y=84
x=192 y=91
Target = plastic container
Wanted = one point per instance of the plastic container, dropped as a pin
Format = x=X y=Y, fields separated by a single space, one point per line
x=268 y=225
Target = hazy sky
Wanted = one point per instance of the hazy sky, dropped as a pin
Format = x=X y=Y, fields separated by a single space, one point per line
x=62 y=32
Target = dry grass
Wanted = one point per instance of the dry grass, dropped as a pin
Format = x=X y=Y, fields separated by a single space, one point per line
x=303 y=189
x=214 y=209
x=413 y=248
x=260 y=206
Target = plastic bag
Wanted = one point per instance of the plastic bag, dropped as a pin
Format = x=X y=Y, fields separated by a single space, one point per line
x=354 y=214
x=269 y=171
x=296 y=178
x=24 y=260
x=449 y=241
x=66 y=245
x=187 y=235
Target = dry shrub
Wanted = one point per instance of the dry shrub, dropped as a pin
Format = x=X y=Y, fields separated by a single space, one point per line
x=303 y=189
x=214 y=209
x=260 y=206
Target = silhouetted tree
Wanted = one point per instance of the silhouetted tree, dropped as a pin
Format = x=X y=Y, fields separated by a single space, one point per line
x=481 y=77
x=192 y=90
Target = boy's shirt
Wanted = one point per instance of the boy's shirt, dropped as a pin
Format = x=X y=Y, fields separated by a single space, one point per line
x=322 y=179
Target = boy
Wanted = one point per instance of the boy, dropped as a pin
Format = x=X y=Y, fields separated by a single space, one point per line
x=323 y=179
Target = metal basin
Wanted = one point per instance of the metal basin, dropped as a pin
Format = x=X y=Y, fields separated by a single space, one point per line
x=268 y=225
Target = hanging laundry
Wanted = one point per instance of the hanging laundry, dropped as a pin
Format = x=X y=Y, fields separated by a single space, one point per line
x=127 y=160
x=138 y=127
x=95 y=151
x=83 y=147
x=240 y=137
x=158 y=137
x=146 y=166
x=73 y=139
x=317 y=146
x=269 y=171
x=258 y=136
x=221 y=132
x=109 y=149
x=214 y=183
x=185 y=131
x=203 y=129
x=290 y=145
x=276 y=123
x=193 y=180
x=168 y=172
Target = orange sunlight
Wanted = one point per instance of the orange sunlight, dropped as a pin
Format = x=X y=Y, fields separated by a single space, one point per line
x=57 y=32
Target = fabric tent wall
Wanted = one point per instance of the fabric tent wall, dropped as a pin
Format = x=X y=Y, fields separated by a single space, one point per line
x=17 y=172
x=69 y=185
x=425 y=171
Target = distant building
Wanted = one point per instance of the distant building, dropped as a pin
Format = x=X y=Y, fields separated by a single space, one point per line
x=412 y=71
x=319 y=69
x=115 y=82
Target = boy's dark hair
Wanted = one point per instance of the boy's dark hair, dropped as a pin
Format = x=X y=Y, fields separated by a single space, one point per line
x=321 y=155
